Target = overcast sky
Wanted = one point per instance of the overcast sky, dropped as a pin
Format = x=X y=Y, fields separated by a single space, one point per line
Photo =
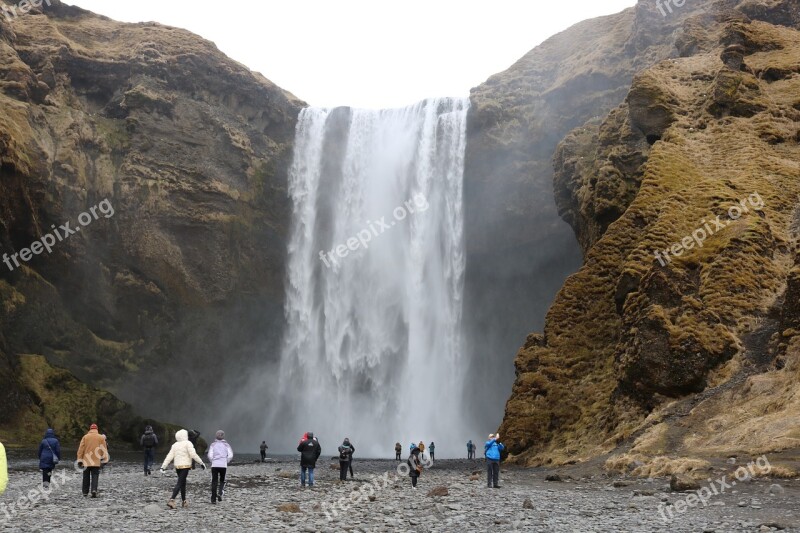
x=368 y=53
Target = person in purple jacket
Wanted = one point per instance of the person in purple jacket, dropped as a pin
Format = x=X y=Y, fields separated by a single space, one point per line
x=220 y=454
x=49 y=456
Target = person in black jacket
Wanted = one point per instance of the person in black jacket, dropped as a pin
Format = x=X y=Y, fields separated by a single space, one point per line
x=414 y=465
x=149 y=441
x=310 y=450
x=194 y=436
x=350 y=463
x=345 y=459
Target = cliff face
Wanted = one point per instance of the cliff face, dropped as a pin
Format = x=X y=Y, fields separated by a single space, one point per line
x=519 y=248
x=190 y=149
x=678 y=333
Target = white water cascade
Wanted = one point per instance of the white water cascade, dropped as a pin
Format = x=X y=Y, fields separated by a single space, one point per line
x=375 y=273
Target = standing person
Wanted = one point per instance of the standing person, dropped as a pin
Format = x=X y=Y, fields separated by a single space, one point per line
x=183 y=455
x=398 y=449
x=220 y=454
x=350 y=465
x=345 y=459
x=149 y=441
x=310 y=451
x=414 y=465
x=264 y=451
x=92 y=454
x=432 y=448
x=3 y=469
x=492 y=450
x=194 y=436
x=49 y=456
x=470 y=450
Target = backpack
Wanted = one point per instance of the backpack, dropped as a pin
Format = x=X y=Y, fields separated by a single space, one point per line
x=149 y=440
x=344 y=453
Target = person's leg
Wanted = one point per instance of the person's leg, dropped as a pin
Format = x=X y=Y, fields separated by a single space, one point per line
x=414 y=481
x=95 y=479
x=183 y=483
x=342 y=470
x=303 y=475
x=350 y=464
x=222 y=473
x=495 y=473
x=177 y=488
x=310 y=476
x=86 y=477
x=46 y=476
x=489 y=474
x=214 y=481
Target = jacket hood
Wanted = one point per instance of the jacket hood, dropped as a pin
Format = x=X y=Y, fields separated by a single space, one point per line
x=49 y=434
x=182 y=435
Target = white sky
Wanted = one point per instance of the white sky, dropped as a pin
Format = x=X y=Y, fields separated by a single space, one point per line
x=368 y=53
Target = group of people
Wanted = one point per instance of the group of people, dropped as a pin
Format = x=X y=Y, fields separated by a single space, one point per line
x=398 y=450
x=93 y=455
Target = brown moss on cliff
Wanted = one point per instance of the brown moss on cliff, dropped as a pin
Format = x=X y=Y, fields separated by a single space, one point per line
x=191 y=148
x=632 y=330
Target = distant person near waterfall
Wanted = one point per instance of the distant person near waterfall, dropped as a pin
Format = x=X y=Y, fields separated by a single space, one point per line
x=310 y=450
x=149 y=441
x=432 y=448
x=470 y=450
x=398 y=449
x=345 y=459
x=492 y=450
x=264 y=451
x=350 y=464
x=414 y=465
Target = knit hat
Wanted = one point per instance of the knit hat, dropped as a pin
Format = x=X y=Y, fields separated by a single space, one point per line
x=93 y=426
x=220 y=435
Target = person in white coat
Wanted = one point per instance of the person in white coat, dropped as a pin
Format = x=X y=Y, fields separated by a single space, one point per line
x=182 y=453
x=220 y=454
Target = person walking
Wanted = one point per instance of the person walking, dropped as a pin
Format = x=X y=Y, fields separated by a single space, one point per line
x=492 y=450
x=414 y=465
x=310 y=451
x=345 y=459
x=3 y=469
x=49 y=456
x=194 y=437
x=183 y=455
x=470 y=450
x=149 y=441
x=220 y=454
x=398 y=449
x=263 y=449
x=432 y=448
x=92 y=455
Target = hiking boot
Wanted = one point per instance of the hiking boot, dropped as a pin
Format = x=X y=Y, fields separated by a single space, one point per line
x=185 y=504
x=46 y=485
x=94 y=494
x=171 y=504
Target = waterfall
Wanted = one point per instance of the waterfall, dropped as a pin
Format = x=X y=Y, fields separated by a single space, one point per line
x=375 y=273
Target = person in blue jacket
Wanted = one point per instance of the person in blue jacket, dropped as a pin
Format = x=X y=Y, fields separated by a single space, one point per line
x=492 y=450
x=49 y=456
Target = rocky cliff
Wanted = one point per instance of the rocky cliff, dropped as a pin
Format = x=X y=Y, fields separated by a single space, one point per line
x=678 y=335
x=519 y=249
x=190 y=150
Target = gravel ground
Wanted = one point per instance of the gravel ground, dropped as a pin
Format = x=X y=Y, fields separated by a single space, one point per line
x=129 y=501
